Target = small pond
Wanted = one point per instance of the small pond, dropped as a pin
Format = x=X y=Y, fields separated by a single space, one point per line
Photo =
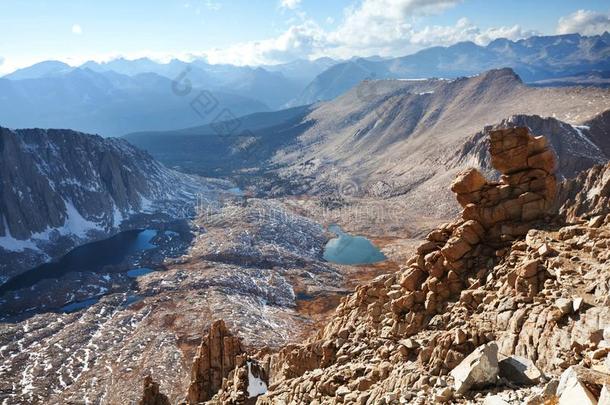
x=78 y=305
x=135 y=273
x=353 y=250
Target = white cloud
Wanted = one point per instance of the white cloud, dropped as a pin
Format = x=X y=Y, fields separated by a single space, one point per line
x=290 y=4
x=372 y=27
x=77 y=29
x=584 y=22
x=376 y=27
x=382 y=22
x=298 y=41
x=464 y=30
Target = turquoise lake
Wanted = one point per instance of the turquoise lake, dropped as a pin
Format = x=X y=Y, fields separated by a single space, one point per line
x=352 y=250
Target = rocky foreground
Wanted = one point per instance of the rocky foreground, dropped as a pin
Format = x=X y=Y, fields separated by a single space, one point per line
x=508 y=304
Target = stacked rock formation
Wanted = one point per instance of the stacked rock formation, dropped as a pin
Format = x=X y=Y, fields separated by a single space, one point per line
x=525 y=193
x=215 y=359
x=458 y=254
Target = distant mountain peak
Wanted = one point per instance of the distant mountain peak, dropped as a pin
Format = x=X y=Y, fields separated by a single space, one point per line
x=41 y=69
x=501 y=74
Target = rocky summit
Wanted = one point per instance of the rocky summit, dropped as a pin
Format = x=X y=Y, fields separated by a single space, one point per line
x=508 y=304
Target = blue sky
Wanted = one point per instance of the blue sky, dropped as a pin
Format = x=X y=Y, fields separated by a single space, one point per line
x=272 y=31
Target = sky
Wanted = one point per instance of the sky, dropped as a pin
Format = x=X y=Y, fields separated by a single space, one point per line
x=255 y=32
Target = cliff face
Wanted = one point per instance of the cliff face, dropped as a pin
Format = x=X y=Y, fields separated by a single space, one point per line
x=505 y=300
x=586 y=196
x=60 y=188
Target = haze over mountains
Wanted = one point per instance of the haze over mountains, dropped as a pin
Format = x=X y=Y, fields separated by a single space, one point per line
x=106 y=103
x=123 y=96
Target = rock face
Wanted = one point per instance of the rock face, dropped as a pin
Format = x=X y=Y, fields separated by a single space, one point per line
x=519 y=370
x=221 y=373
x=576 y=385
x=587 y=196
x=60 y=188
x=244 y=384
x=215 y=358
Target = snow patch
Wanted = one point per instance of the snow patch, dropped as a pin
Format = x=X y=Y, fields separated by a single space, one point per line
x=8 y=242
x=75 y=223
x=256 y=386
x=579 y=130
x=117 y=216
x=146 y=204
x=595 y=192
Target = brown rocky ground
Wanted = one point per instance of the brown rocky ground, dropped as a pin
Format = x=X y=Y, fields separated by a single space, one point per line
x=492 y=309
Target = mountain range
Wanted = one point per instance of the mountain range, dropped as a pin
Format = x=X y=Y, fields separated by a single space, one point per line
x=273 y=85
x=536 y=58
x=108 y=103
x=484 y=191
x=123 y=96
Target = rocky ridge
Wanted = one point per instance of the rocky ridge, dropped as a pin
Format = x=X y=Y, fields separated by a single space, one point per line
x=416 y=136
x=587 y=196
x=492 y=309
x=535 y=58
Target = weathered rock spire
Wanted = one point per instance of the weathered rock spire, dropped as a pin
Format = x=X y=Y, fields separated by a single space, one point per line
x=215 y=358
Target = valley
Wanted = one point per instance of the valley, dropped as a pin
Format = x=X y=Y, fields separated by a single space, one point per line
x=257 y=264
x=388 y=149
x=429 y=228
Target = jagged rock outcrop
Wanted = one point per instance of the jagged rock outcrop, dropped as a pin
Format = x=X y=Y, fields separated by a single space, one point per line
x=221 y=373
x=587 y=196
x=488 y=277
x=61 y=188
x=509 y=275
x=244 y=384
x=215 y=359
x=151 y=395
